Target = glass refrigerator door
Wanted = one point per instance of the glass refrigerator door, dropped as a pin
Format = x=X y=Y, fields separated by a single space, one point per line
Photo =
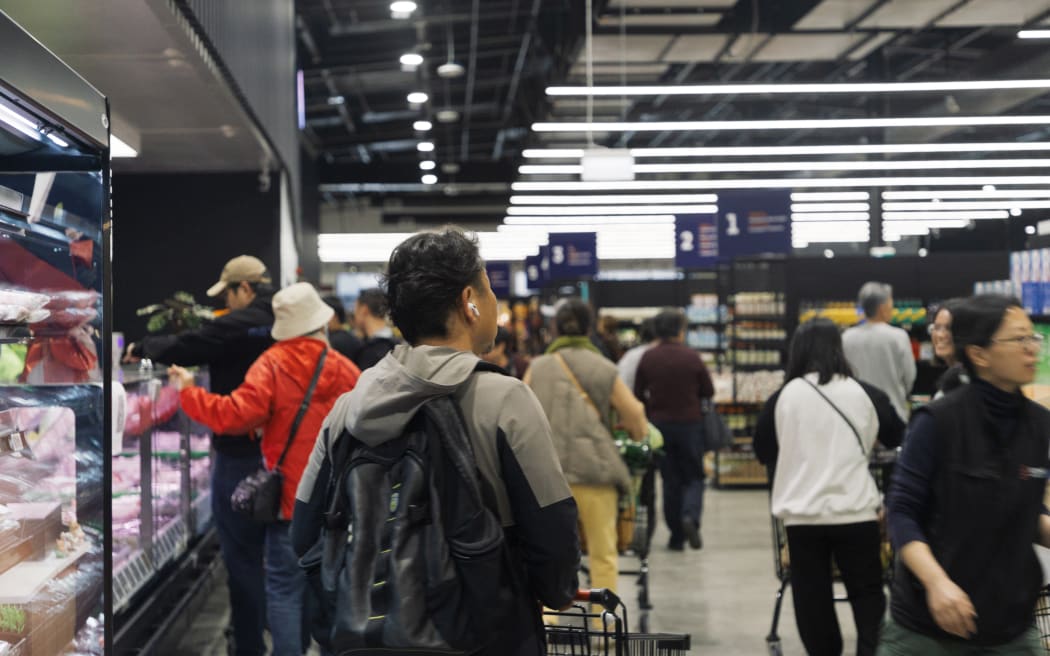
x=54 y=279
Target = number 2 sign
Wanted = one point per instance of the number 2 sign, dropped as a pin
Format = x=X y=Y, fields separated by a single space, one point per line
x=697 y=236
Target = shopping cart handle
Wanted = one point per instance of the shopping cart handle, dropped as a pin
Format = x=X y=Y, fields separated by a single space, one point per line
x=607 y=598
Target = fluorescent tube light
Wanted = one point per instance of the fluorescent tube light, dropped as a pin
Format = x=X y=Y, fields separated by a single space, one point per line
x=968 y=205
x=820 y=196
x=118 y=148
x=612 y=199
x=830 y=207
x=777 y=151
x=645 y=226
x=57 y=140
x=777 y=183
x=789 y=124
x=18 y=122
x=789 y=166
x=824 y=217
x=962 y=193
x=598 y=221
x=817 y=88
x=1033 y=34
x=930 y=216
x=555 y=210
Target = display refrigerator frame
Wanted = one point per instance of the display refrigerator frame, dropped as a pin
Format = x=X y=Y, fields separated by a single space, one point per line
x=56 y=122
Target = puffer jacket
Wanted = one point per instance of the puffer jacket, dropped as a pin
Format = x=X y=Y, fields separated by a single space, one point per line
x=270 y=396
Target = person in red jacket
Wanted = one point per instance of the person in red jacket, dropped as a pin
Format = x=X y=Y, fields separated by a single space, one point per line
x=269 y=399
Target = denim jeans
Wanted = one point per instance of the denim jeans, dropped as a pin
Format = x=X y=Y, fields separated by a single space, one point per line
x=241 y=541
x=682 y=471
x=285 y=587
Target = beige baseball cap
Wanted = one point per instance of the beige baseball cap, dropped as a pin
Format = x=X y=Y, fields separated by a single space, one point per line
x=298 y=310
x=243 y=268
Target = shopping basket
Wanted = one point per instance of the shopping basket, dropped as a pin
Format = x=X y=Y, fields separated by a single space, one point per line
x=1042 y=617
x=580 y=631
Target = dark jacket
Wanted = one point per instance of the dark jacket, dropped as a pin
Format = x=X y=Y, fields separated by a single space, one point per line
x=965 y=485
x=345 y=342
x=372 y=350
x=511 y=440
x=671 y=380
x=228 y=345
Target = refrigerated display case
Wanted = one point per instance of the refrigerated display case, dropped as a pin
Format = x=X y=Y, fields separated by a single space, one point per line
x=54 y=354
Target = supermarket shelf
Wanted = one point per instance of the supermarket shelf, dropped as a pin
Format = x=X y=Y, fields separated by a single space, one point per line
x=202 y=513
x=170 y=542
x=757 y=367
x=770 y=318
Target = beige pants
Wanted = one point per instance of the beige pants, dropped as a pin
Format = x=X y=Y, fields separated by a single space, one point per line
x=598 y=509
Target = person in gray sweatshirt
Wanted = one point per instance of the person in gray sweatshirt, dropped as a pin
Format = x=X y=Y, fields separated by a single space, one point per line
x=441 y=300
x=880 y=354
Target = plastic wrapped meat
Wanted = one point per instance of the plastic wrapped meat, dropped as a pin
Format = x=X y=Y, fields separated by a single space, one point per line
x=126 y=508
x=167 y=404
x=22 y=307
x=166 y=442
x=127 y=473
x=139 y=415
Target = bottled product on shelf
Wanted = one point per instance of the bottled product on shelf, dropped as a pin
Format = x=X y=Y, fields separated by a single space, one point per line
x=906 y=312
x=705 y=309
x=758 y=304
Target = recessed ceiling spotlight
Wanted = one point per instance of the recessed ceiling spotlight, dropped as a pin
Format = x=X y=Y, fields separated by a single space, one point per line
x=988 y=188
x=402 y=9
x=1015 y=211
x=411 y=59
x=425 y=146
x=450 y=168
x=447 y=116
x=923 y=252
x=336 y=100
x=418 y=97
x=422 y=126
x=828 y=253
x=427 y=165
x=1029 y=230
x=429 y=179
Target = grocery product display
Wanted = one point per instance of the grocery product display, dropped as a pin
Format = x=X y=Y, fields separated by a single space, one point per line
x=906 y=312
x=54 y=410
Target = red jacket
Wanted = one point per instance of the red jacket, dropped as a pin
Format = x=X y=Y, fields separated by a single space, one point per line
x=270 y=396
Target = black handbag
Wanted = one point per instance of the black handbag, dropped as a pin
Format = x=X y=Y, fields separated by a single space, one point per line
x=259 y=495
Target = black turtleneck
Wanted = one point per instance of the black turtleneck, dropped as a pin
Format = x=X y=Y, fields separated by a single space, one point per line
x=1001 y=408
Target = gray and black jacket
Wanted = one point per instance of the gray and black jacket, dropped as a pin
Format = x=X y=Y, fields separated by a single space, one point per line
x=514 y=453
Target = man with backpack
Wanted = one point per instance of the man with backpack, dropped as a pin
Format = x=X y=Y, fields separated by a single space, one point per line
x=434 y=514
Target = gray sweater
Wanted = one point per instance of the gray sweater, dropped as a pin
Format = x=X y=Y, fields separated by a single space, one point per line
x=881 y=355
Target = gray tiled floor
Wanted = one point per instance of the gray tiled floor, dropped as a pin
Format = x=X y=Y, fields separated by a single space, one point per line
x=723 y=595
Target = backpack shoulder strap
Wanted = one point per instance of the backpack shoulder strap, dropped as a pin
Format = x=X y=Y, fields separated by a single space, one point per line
x=483 y=366
x=339 y=458
x=842 y=414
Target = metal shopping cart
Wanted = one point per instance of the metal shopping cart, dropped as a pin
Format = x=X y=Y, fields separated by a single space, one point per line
x=1042 y=617
x=881 y=467
x=582 y=632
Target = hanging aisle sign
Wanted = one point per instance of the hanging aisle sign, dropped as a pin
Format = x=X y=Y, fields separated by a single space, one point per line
x=499 y=278
x=754 y=222
x=545 y=265
x=696 y=241
x=532 y=271
x=573 y=255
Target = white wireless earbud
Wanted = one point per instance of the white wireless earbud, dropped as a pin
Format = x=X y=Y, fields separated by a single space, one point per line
x=474 y=309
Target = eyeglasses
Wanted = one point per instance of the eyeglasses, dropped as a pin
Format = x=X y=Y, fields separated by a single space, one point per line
x=934 y=328
x=1034 y=342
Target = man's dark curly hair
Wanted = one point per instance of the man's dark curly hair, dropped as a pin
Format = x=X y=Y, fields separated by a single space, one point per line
x=375 y=300
x=425 y=277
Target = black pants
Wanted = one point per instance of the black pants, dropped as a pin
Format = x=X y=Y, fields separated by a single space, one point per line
x=855 y=548
x=682 y=471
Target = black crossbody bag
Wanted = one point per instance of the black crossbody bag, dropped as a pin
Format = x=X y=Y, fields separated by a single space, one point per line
x=259 y=495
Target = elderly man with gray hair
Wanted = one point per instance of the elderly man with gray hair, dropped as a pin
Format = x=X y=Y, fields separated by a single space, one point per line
x=878 y=353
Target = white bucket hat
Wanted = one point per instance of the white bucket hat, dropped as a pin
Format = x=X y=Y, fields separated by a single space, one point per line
x=298 y=310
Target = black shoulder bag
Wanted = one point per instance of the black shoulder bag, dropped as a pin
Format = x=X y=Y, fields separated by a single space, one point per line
x=259 y=495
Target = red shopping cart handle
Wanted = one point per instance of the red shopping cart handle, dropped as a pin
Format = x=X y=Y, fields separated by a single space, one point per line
x=607 y=598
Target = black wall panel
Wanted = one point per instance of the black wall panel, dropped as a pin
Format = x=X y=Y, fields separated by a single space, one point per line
x=175 y=232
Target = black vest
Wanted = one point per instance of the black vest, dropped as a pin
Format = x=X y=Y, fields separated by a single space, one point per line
x=983 y=519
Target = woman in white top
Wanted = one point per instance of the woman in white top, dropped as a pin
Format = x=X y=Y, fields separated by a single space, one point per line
x=817 y=433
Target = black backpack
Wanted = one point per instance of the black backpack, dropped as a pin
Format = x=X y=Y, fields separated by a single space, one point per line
x=412 y=557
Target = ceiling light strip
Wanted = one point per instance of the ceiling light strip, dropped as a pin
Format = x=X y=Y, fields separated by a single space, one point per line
x=754 y=167
x=831 y=149
x=818 y=88
x=968 y=205
x=780 y=183
x=555 y=210
x=963 y=216
x=830 y=207
x=824 y=217
x=608 y=199
x=962 y=194
x=790 y=124
x=821 y=196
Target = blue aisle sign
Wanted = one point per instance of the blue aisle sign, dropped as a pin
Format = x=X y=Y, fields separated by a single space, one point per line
x=573 y=255
x=533 y=272
x=499 y=278
x=696 y=241
x=754 y=222
x=545 y=265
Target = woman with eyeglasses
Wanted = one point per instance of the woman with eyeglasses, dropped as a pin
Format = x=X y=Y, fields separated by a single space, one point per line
x=967 y=499
x=944 y=348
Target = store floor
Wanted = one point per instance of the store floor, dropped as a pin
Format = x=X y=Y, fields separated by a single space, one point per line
x=722 y=595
